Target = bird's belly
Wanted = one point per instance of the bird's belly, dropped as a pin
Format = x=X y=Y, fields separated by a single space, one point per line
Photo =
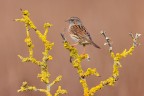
x=81 y=41
x=74 y=38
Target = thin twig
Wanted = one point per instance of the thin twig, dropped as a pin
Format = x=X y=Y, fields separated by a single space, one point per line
x=107 y=41
x=135 y=38
x=62 y=35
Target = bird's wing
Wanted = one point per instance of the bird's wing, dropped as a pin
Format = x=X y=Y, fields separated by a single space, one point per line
x=88 y=34
x=80 y=31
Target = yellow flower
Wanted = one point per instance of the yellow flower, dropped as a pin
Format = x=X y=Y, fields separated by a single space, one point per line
x=25 y=87
x=50 y=57
x=60 y=91
x=76 y=63
x=58 y=78
x=26 y=12
x=47 y=25
x=44 y=76
x=91 y=72
x=84 y=56
x=96 y=88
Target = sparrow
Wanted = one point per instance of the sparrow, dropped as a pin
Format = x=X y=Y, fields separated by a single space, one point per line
x=79 y=33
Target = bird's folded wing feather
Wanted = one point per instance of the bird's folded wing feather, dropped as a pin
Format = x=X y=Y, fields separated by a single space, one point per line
x=80 y=31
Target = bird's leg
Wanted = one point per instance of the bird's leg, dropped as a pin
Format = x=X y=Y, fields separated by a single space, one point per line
x=84 y=50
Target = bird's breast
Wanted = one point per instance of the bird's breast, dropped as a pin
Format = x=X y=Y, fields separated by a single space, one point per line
x=74 y=37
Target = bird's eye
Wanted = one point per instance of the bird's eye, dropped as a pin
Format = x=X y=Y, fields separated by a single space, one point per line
x=72 y=19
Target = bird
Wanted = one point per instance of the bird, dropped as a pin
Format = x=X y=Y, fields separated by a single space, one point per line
x=79 y=33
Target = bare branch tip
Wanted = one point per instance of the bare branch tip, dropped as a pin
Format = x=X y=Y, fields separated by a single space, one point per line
x=62 y=35
x=102 y=32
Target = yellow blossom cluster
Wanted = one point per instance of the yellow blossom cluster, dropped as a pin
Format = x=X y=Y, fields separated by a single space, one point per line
x=77 y=59
x=111 y=80
x=44 y=75
x=90 y=71
x=60 y=91
x=25 y=87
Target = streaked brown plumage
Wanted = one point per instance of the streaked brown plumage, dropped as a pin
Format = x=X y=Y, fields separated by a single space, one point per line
x=79 y=33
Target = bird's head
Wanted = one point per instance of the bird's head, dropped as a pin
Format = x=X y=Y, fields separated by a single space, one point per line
x=74 y=20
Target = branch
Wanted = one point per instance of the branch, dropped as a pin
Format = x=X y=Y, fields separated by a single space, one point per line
x=76 y=62
x=116 y=65
x=108 y=41
x=26 y=87
x=135 y=38
x=62 y=35
x=60 y=91
x=44 y=75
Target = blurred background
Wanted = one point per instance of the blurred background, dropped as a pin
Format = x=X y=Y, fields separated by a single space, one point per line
x=117 y=17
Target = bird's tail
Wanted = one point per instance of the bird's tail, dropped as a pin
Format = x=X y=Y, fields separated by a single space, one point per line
x=95 y=45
